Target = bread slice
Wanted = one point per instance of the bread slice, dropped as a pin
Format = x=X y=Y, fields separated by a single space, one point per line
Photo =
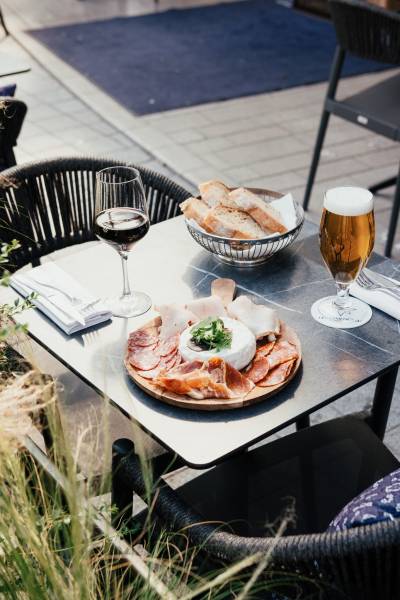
x=194 y=208
x=214 y=193
x=265 y=215
x=231 y=223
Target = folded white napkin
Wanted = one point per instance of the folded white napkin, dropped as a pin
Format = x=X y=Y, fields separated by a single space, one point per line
x=72 y=311
x=286 y=207
x=385 y=302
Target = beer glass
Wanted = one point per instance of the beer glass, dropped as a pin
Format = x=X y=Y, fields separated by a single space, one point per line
x=347 y=234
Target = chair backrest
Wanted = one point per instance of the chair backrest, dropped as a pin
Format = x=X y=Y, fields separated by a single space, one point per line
x=49 y=205
x=12 y=115
x=367 y=31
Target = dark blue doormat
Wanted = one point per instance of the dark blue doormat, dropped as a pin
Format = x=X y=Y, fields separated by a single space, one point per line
x=185 y=57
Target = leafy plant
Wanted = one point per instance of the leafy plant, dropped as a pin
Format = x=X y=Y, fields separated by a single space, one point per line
x=211 y=334
x=9 y=310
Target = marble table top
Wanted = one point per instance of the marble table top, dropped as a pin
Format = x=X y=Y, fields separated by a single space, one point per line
x=170 y=266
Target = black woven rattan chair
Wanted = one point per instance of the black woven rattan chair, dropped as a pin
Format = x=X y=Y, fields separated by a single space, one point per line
x=372 y=33
x=322 y=468
x=12 y=116
x=49 y=205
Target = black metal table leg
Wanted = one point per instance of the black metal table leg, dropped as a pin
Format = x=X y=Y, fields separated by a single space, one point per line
x=303 y=422
x=382 y=401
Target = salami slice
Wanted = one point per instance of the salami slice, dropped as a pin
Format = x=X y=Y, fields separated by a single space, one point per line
x=282 y=353
x=259 y=369
x=142 y=338
x=169 y=345
x=265 y=349
x=144 y=360
x=277 y=375
x=166 y=364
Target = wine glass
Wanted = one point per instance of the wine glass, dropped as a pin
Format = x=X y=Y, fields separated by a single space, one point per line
x=347 y=235
x=121 y=220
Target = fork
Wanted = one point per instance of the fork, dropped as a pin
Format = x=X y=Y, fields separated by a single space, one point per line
x=75 y=301
x=365 y=282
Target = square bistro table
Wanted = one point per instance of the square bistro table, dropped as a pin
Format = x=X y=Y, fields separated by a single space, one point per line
x=170 y=266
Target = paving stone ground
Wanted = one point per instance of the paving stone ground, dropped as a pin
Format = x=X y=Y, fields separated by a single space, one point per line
x=264 y=140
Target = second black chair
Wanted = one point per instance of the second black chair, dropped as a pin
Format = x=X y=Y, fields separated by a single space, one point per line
x=371 y=33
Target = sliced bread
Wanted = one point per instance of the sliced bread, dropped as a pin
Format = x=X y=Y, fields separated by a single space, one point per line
x=265 y=215
x=214 y=193
x=231 y=223
x=194 y=208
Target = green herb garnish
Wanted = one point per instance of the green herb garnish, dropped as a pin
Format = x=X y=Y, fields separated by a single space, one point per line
x=211 y=334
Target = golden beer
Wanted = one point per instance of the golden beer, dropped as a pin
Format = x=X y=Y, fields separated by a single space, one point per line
x=347 y=235
x=346 y=243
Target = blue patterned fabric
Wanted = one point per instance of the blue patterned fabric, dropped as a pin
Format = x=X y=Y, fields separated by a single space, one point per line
x=8 y=90
x=380 y=502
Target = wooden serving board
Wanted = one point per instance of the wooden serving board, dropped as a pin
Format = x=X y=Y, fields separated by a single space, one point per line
x=256 y=395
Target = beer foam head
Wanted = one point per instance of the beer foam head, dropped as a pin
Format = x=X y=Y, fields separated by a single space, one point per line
x=348 y=201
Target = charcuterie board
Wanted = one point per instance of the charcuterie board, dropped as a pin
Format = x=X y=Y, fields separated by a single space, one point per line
x=257 y=394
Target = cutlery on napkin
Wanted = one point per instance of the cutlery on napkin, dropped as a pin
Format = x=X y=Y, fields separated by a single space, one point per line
x=384 y=301
x=61 y=298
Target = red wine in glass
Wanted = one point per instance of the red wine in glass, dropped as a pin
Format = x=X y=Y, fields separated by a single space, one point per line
x=121 y=227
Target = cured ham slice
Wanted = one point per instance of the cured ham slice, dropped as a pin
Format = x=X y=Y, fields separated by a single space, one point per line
x=224 y=289
x=265 y=349
x=175 y=318
x=259 y=369
x=169 y=345
x=212 y=306
x=277 y=375
x=212 y=379
x=260 y=319
x=144 y=359
x=166 y=364
x=282 y=352
x=268 y=358
x=143 y=337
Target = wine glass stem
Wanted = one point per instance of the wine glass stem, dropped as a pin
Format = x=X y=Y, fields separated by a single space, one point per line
x=126 y=292
x=342 y=299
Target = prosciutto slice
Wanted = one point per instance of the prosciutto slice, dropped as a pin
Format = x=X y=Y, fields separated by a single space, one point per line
x=175 y=318
x=260 y=319
x=212 y=379
x=211 y=306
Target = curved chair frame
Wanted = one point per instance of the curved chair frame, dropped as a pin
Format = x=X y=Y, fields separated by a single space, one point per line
x=338 y=561
x=49 y=205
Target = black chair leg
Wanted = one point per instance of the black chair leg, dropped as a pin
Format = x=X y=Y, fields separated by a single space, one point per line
x=121 y=493
x=336 y=69
x=3 y=23
x=315 y=160
x=393 y=219
x=383 y=185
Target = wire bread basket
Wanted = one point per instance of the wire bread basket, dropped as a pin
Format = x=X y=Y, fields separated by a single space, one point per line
x=248 y=253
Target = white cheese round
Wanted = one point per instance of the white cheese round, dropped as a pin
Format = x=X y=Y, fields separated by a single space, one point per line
x=241 y=352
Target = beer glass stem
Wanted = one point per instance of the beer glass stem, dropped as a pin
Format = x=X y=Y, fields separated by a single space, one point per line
x=342 y=299
x=126 y=292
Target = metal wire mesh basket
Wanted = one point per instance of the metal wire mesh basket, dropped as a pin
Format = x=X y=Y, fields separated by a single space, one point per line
x=248 y=253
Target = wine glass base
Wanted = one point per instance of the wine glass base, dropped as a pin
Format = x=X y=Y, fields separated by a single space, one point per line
x=134 y=305
x=327 y=313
